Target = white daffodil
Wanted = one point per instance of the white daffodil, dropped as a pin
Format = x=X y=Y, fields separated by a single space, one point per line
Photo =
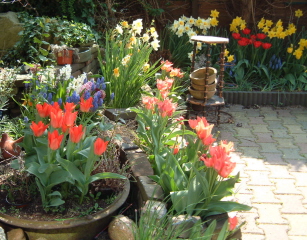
x=137 y=26
x=119 y=29
x=191 y=21
x=191 y=33
x=145 y=37
x=180 y=31
x=155 y=44
x=155 y=35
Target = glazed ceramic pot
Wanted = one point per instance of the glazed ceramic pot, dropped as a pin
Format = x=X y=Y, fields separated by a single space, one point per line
x=198 y=76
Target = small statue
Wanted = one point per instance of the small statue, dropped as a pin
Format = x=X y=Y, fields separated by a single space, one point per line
x=9 y=147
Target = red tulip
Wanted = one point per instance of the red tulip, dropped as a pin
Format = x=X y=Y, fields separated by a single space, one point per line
x=100 y=146
x=76 y=133
x=56 y=118
x=69 y=119
x=246 y=31
x=86 y=105
x=242 y=42
x=261 y=36
x=232 y=223
x=38 y=129
x=54 y=140
x=236 y=36
x=266 y=45
x=166 y=108
x=43 y=110
x=69 y=107
x=257 y=44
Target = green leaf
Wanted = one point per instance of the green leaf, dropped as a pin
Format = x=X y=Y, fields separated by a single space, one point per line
x=210 y=231
x=223 y=233
x=290 y=77
x=42 y=58
x=226 y=206
x=36 y=40
x=105 y=175
x=44 y=51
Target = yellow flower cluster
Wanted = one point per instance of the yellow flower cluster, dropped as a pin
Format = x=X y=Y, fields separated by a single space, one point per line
x=298 y=53
x=237 y=24
x=276 y=30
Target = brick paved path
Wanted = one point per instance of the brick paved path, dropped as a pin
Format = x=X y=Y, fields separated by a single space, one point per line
x=271 y=155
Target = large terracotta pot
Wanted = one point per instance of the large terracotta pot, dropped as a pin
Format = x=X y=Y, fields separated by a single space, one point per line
x=198 y=76
x=65 y=57
x=85 y=228
x=200 y=94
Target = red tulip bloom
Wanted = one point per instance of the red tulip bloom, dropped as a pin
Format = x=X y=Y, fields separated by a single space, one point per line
x=236 y=36
x=54 y=140
x=69 y=107
x=243 y=42
x=100 y=146
x=175 y=149
x=43 y=110
x=55 y=107
x=38 y=129
x=233 y=222
x=76 y=133
x=167 y=66
x=86 y=105
x=253 y=37
x=56 y=118
x=266 y=45
x=257 y=44
x=166 y=108
x=69 y=118
x=149 y=102
x=246 y=31
x=261 y=36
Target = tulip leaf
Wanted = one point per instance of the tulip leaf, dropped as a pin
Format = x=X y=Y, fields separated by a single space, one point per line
x=105 y=175
x=225 y=206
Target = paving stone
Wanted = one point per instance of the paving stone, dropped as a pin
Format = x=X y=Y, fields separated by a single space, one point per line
x=240 y=168
x=243 y=132
x=292 y=204
x=298 y=223
x=259 y=178
x=250 y=225
x=303 y=124
x=303 y=147
x=260 y=129
x=271 y=117
x=264 y=137
x=266 y=109
x=236 y=157
x=297 y=165
x=253 y=152
x=274 y=232
x=269 y=214
x=274 y=159
x=297 y=237
x=275 y=124
x=264 y=194
x=236 y=108
x=300 y=178
x=279 y=171
x=252 y=113
x=280 y=133
x=228 y=135
x=242 y=187
x=244 y=199
x=285 y=143
x=299 y=110
x=285 y=186
x=289 y=121
x=247 y=236
x=303 y=191
x=269 y=148
x=292 y=153
x=301 y=117
x=255 y=164
x=284 y=113
x=299 y=137
x=294 y=128
x=248 y=142
x=256 y=120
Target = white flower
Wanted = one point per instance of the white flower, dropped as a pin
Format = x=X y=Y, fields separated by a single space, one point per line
x=119 y=29
x=187 y=28
x=137 y=26
x=175 y=26
x=199 y=22
x=191 y=21
x=191 y=33
x=155 y=35
x=190 y=55
x=125 y=60
x=145 y=37
x=76 y=84
x=155 y=44
x=180 y=31
x=206 y=24
x=181 y=22
x=199 y=45
x=184 y=18
x=65 y=72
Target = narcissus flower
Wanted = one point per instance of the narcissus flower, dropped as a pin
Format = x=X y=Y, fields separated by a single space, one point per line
x=38 y=128
x=298 y=13
x=54 y=140
x=214 y=13
x=100 y=146
x=116 y=72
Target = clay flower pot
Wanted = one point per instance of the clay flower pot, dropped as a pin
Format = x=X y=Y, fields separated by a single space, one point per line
x=198 y=76
x=9 y=147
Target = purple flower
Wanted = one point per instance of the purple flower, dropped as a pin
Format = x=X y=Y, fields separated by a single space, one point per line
x=112 y=96
x=49 y=98
x=87 y=94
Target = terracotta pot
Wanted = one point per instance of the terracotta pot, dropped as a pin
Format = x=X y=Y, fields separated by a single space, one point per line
x=200 y=94
x=198 y=76
x=9 y=147
x=85 y=228
x=65 y=57
x=210 y=87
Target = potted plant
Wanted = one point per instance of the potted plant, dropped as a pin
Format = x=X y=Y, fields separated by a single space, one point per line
x=63 y=54
x=66 y=153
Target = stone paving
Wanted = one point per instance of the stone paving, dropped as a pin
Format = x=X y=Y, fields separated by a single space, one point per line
x=271 y=155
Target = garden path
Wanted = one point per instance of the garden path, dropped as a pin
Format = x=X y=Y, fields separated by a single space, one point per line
x=271 y=155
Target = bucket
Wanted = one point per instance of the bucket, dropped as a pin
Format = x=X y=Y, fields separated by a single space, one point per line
x=198 y=76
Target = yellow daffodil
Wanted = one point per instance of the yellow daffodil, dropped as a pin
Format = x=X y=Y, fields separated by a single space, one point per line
x=116 y=72
x=233 y=28
x=303 y=43
x=242 y=26
x=146 y=67
x=298 y=13
x=266 y=29
x=290 y=49
x=214 y=13
x=282 y=35
x=271 y=34
x=214 y=22
x=268 y=23
x=125 y=24
x=230 y=58
x=226 y=52
x=279 y=23
x=298 y=53
x=260 y=25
